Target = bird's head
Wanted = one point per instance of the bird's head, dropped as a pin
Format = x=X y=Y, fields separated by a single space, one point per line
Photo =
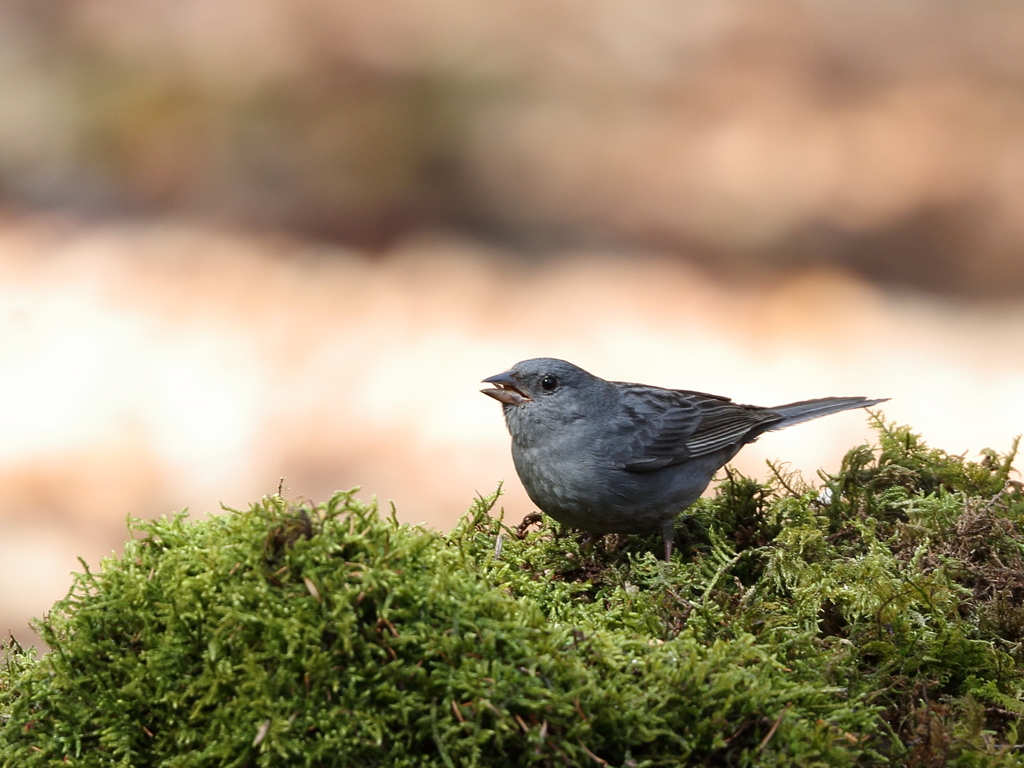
x=547 y=388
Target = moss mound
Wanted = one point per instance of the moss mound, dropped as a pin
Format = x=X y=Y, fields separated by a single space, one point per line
x=877 y=619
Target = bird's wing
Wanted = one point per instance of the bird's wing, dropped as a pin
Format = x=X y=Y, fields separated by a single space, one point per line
x=666 y=426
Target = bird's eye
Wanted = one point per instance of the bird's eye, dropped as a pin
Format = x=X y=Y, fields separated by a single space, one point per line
x=549 y=383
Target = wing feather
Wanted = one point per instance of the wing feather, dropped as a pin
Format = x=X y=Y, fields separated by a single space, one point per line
x=667 y=426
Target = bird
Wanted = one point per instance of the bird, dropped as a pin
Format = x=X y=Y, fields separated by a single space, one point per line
x=617 y=457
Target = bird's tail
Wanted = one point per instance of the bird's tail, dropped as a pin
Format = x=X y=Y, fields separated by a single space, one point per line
x=805 y=410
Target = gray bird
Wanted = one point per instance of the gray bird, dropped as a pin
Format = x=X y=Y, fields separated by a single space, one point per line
x=614 y=457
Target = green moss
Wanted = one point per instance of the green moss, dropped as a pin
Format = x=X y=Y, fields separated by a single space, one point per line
x=876 y=620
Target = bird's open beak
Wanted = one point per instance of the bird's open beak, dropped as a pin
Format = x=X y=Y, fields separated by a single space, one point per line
x=506 y=389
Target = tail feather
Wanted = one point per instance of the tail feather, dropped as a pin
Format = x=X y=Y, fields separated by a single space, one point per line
x=805 y=410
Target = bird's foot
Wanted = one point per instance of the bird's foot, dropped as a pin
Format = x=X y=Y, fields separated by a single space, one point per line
x=589 y=539
x=612 y=541
x=531 y=519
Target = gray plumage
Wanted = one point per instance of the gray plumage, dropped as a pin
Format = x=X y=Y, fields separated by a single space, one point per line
x=614 y=457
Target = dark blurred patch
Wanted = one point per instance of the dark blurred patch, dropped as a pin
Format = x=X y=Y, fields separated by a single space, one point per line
x=928 y=249
x=774 y=134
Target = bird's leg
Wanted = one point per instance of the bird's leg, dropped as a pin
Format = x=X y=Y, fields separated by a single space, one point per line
x=589 y=539
x=668 y=535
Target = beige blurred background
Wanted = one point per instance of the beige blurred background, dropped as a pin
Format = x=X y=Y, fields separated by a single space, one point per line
x=241 y=241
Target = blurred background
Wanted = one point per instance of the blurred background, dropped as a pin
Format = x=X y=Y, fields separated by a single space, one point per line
x=246 y=241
